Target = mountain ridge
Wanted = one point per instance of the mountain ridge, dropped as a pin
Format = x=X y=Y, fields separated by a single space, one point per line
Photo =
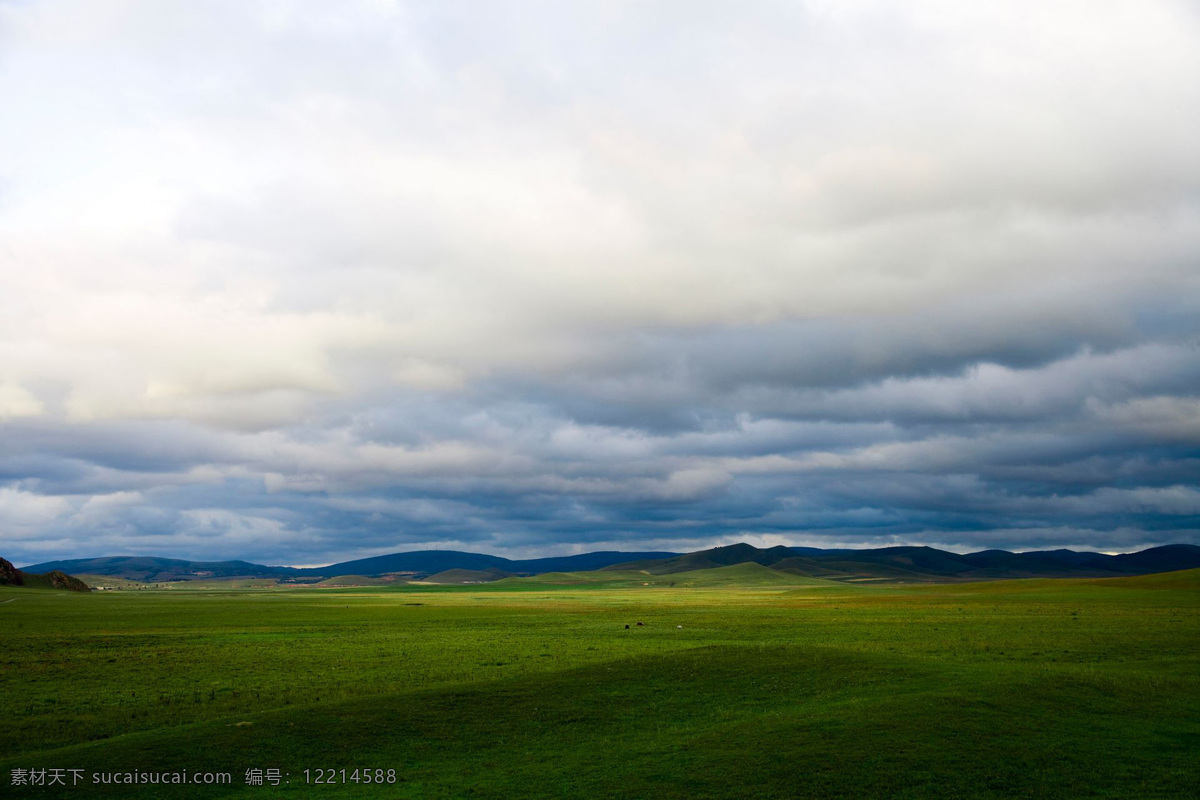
x=418 y=563
x=923 y=563
x=899 y=563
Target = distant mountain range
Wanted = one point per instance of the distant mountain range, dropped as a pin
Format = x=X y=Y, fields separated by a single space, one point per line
x=904 y=564
x=417 y=564
x=927 y=564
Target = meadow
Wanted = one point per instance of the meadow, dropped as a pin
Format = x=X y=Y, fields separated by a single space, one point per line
x=737 y=684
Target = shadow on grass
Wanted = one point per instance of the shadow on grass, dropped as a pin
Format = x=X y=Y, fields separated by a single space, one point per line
x=749 y=721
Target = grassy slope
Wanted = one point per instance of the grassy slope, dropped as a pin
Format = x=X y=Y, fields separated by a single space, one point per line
x=738 y=576
x=746 y=575
x=36 y=581
x=110 y=581
x=204 y=584
x=1020 y=688
x=353 y=580
x=452 y=576
x=1183 y=579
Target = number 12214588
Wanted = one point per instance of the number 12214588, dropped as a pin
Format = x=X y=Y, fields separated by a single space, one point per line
x=328 y=776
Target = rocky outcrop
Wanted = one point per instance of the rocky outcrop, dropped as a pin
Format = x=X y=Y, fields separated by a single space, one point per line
x=54 y=579
x=10 y=575
x=61 y=580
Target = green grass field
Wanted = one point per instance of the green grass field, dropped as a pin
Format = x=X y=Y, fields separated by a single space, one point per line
x=739 y=684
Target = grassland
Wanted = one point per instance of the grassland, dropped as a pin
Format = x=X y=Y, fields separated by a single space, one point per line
x=739 y=684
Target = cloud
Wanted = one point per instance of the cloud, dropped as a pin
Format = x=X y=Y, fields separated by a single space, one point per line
x=307 y=281
x=23 y=511
x=18 y=402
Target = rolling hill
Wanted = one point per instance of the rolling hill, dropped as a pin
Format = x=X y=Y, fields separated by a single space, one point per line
x=895 y=564
x=927 y=564
x=152 y=568
x=431 y=562
x=415 y=564
x=51 y=579
x=468 y=576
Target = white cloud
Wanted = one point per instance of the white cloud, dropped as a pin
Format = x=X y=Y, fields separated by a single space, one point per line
x=24 y=512
x=16 y=401
x=602 y=253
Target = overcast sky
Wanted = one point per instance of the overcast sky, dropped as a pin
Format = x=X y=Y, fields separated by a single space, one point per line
x=298 y=282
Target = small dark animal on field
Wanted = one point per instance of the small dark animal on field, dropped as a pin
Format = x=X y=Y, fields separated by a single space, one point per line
x=641 y=624
x=626 y=627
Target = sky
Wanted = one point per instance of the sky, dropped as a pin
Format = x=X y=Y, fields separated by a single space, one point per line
x=298 y=282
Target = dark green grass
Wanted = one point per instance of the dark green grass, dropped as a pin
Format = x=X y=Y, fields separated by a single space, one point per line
x=1010 y=689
